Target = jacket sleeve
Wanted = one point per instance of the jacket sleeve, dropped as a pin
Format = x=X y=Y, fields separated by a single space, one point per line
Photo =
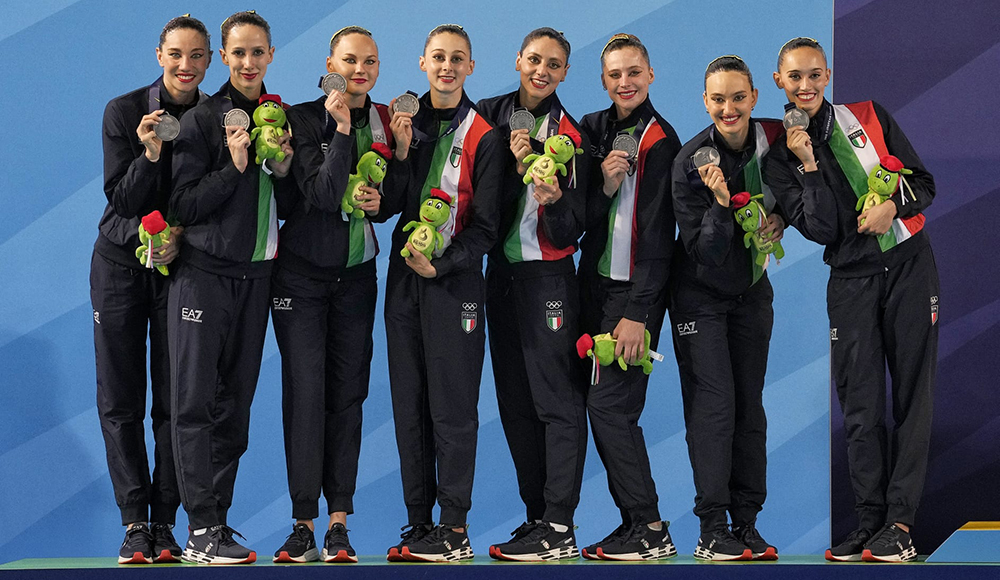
x=922 y=182
x=198 y=190
x=471 y=244
x=321 y=177
x=807 y=202
x=706 y=228
x=655 y=224
x=130 y=182
x=563 y=221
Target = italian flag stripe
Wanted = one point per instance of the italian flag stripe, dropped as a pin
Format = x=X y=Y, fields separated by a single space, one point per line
x=362 y=245
x=266 y=247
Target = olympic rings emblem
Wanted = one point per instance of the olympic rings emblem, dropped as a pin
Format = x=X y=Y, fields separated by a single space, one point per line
x=469 y=306
x=553 y=304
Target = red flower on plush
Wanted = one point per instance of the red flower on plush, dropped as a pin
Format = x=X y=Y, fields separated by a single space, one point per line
x=154 y=223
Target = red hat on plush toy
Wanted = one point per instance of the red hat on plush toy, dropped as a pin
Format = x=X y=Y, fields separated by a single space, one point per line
x=575 y=137
x=739 y=200
x=382 y=149
x=439 y=194
x=273 y=98
x=154 y=223
x=891 y=163
x=583 y=344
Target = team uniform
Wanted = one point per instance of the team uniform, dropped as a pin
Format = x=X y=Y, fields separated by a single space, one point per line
x=624 y=262
x=882 y=299
x=128 y=299
x=217 y=321
x=433 y=326
x=532 y=299
x=721 y=316
x=323 y=295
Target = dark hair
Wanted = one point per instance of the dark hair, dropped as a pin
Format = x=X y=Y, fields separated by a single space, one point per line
x=622 y=40
x=799 y=42
x=452 y=28
x=335 y=39
x=547 y=32
x=246 y=17
x=728 y=63
x=186 y=21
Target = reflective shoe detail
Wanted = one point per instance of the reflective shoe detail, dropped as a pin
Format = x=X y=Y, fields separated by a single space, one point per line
x=721 y=545
x=850 y=549
x=751 y=538
x=442 y=544
x=216 y=545
x=165 y=548
x=411 y=533
x=890 y=544
x=640 y=543
x=542 y=543
x=521 y=531
x=590 y=552
x=137 y=548
x=299 y=547
x=337 y=546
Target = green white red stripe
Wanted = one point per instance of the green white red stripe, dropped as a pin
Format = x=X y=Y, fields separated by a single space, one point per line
x=362 y=244
x=266 y=247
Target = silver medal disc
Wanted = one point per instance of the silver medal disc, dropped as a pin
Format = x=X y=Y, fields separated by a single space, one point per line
x=406 y=103
x=521 y=119
x=334 y=82
x=168 y=128
x=795 y=116
x=237 y=118
x=626 y=143
x=706 y=156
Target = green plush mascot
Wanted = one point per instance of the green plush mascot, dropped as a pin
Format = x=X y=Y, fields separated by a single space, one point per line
x=751 y=216
x=883 y=181
x=559 y=150
x=434 y=213
x=371 y=171
x=601 y=349
x=153 y=233
x=269 y=118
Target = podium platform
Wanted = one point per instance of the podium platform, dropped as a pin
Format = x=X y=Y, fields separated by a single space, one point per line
x=977 y=542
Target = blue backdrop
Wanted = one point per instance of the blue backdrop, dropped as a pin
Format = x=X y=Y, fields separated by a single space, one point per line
x=64 y=59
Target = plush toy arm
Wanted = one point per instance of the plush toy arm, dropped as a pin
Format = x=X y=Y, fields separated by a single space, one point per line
x=529 y=158
x=561 y=167
x=747 y=237
x=254 y=133
x=278 y=131
x=438 y=240
x=861 y=201
x=410 y=226
x=622 y=364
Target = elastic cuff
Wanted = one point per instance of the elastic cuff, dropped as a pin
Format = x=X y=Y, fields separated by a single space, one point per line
x=901 y=514
x=204 y=518
x=163 y=514
x=559 y=515
x=342 y=143
x=340 y=503
x=644 y=514
x=134 y=513
x=454 y=516
x=305 y=509
x=813 y=179
x=637 y=311
x=419 y=514
x=744 y=515
x=721 y=214
x=713 y=521
x=871 y=519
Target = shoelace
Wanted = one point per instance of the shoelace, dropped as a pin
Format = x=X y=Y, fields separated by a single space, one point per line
x=537 y=532
x=300 y=531
x=886 y=537
x=438 y=533
x=134 y=530
x=412 y=531
x=618 y=532
x=748 y=532
x=636 y=531
x=524 y=529
x=227 y=534
x=338 y=533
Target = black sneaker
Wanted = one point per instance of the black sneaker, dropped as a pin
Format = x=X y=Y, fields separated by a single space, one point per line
x=137 y=547
x=299 y=547
x=442 y=544
x=890 y=544
x=165 y=548
x=640 y=543
x=850 y=549
x=411 y=533
x=720 y=545
x=590 y=552
x=750 y=538
x=215 y=545
x=336 y=545
x=543 y=542
x=521 y=531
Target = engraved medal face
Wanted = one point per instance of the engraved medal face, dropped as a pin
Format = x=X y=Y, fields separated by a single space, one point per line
x=406 y=103
x=169 y=127
x=795 y=117
x=333 y=82
x=521 y=119
x=626 y=143
x=237 y=118
x=706 y=156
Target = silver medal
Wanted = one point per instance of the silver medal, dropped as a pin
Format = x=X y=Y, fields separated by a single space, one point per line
x=237 y=118
x=795 y=117
x=333 y=82
x=521 y=119
x=168 y=128
x=626 y=143
x=406 y=103
x=706 y=156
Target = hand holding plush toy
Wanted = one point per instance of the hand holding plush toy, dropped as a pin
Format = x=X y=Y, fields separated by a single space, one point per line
x=751 y=216
x=371 y=171
x=883 y=181
x=559 y=150
x=153 y=233
x=269 y=117
x=601 y=349
x=434 y=213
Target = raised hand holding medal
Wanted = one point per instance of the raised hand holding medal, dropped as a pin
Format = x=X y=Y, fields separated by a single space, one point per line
x=521 y=119
x=406 y=103
x=168 y=128
x=333 y=82
x=706 y=156
x=795 y=117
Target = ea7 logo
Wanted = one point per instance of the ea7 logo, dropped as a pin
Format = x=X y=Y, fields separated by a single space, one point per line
x=191 y=315
x=282 y=303
x=686 y=329
x=833 y=334
x=97 y=317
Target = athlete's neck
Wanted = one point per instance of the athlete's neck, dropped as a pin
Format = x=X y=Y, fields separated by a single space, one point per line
x=446 y=100
x=527 y=101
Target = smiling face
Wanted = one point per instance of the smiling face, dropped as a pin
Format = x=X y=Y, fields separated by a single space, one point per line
x=543 y=66
x=434 y=211
x=185 y=57
x=247 y=55
x=355 y=57
x=626 y=75
x=803 y=76
x=729 y=100
x=447 y=62
x=269 y=114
